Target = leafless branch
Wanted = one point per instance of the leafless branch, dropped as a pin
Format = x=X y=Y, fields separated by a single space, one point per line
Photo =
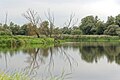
x=32 y=16
x=72 y=21
x=50 y=17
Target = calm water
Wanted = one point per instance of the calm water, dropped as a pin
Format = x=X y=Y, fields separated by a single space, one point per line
x=72 y=61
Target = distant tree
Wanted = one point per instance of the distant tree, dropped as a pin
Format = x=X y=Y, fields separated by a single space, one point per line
x=14 y=28
x=72 y=21
x=76 y=31
x=57 y=31
x=50 y=18
x=117 y=19
x=91 y=25
x=100 y=27
x=88 y=25
x=0 y=24
x=44 y=29
x=24 y=30
x=110 y=21
x=31 y=30
x=69 y=24
x=112 y=30
x=34 y=19
x=66 y=30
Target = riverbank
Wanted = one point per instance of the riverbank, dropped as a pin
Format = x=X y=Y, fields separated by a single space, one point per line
x=12 y=41
x=15 y=41
x=90 y=38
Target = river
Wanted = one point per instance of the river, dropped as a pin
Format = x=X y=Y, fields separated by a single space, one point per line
x=68 y=61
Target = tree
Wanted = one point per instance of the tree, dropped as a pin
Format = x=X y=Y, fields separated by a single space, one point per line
x=50 y=18
x=24 y=30
x=117 y=19
x=91 y=25
x=88 y=25
x=31 y=30
x=110 y=21
x=66 y=30
x=14 y=28
x=76 y=31
x=34 y=19
x=44 y=29
x=72 y=21
x=100 y=27
x=57 y=31
x=112 y=30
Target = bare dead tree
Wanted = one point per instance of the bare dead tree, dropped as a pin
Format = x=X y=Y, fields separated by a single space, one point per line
x=6 y=17
x=33 y=18
x=72 y=21
x=5 y=21
x=51 y=19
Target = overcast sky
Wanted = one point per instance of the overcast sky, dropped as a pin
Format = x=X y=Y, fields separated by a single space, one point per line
x=61 y=9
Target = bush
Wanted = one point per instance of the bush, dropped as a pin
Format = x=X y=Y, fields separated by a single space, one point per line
x=6 y=32
x=112 y=30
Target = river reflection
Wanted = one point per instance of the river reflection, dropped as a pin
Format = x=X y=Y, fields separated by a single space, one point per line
x=71 y=61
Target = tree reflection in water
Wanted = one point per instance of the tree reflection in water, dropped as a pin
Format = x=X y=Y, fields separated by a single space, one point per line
x=92 y=52
x=36 y=59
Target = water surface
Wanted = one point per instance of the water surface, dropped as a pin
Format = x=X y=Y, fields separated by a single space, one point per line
x=71 y=61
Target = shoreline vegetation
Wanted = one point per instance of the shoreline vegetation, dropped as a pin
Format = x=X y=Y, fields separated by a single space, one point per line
x=16 y=41
x=91 y=38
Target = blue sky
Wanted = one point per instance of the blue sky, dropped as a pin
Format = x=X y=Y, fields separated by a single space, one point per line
x=61 y=9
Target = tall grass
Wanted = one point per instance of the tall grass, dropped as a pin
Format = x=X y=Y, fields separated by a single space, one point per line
x=23 y=40
x=91 y=38
x=14 y=76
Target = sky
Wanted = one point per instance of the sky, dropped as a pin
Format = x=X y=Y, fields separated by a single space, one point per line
x=60 y=8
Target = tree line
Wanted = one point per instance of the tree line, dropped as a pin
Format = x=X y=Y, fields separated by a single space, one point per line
x=89 y=25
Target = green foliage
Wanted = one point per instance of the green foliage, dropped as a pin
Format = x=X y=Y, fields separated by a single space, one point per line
x=88 y=25
x=117 y=19
x=89 y=38
x=97 y=50
x=100 y=27
x=66 y=30
x=44 y=29
x=5 y=33
x=14 y=76
x=112 y=30
x=110 y=21
x=57 y=31
x=23 y=40
x=76 y=32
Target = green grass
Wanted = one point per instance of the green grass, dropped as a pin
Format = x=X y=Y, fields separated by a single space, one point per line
x=23 y=40
x=14 y=76
x=90 y=38
x=24 y=76
x=15 y=41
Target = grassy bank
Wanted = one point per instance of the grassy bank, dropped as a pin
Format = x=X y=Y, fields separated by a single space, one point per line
x=26 y=40
x=23 y=40
x=89 y=38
